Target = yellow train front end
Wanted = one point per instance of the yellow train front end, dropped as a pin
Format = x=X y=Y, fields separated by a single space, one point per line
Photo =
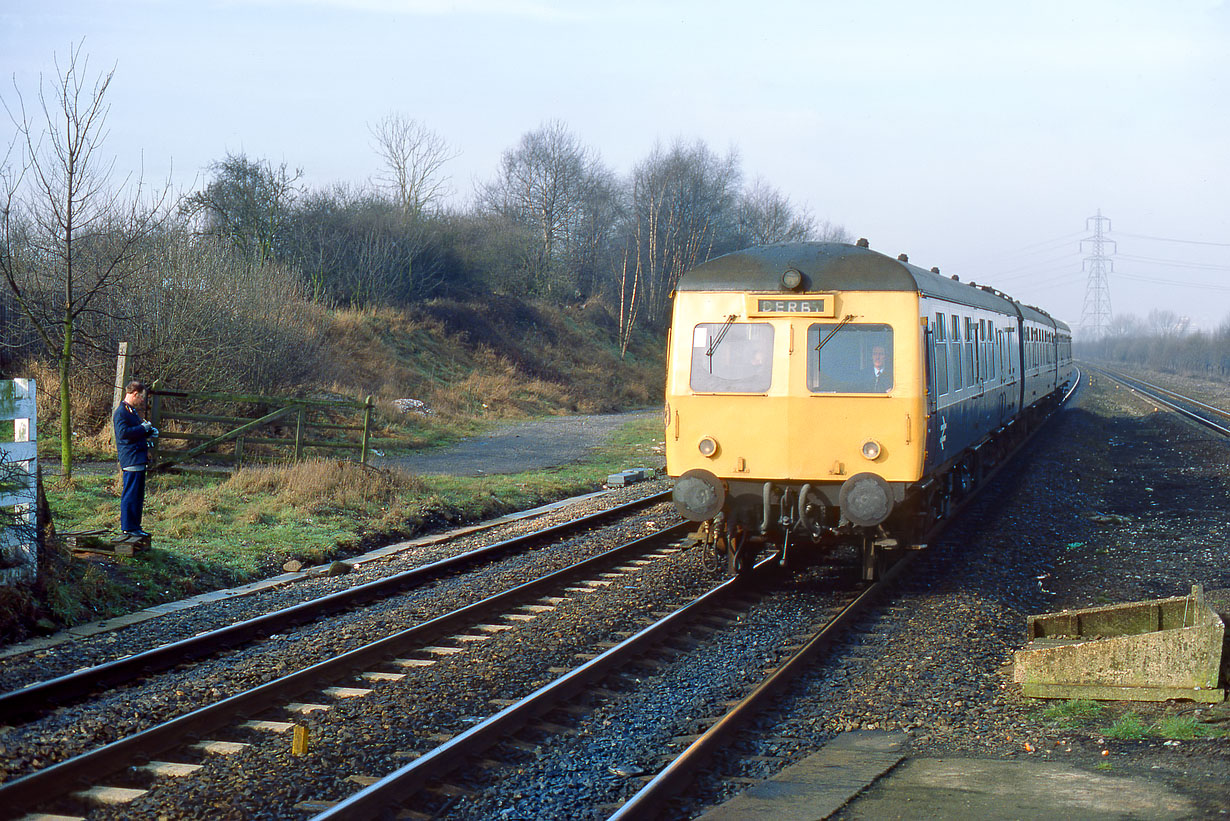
x=796 y=414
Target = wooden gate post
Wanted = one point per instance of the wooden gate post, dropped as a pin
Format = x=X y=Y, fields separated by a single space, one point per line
x=123 y=370
x=368 y=404
x=155 y=418
x=299 y=424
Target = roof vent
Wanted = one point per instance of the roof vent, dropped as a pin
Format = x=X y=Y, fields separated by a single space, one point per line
x=903 y=258
x=956 y=278
x=863 y=243
x=935 y=270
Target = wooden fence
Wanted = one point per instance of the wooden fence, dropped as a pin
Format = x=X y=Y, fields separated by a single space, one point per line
x=311 y=423
x=18 y=482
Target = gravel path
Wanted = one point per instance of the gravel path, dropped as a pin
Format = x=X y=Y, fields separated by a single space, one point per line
x=520 y=446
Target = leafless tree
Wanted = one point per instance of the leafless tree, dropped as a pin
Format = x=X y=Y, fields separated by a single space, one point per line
x=766 y=216
x=413 y=156
x=209 y=316
x=682 y=206
x=69 y=236
x=247 y=202
x=1164 y=323
x=544 y=183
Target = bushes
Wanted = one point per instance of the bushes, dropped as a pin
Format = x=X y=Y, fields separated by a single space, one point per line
x=1133 y=342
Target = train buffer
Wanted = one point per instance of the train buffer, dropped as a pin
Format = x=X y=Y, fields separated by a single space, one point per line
x=1139 y=651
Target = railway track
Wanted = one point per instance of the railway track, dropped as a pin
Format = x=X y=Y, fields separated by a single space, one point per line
x=1214 y=418
x=22 y=705
x=82 y=780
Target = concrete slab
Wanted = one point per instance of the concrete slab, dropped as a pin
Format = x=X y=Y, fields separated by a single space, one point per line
x=820 y=784
x=115 y=623
x=965 y=788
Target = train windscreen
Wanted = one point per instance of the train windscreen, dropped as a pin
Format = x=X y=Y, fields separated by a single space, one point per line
x=849 y=358
x=730 y=357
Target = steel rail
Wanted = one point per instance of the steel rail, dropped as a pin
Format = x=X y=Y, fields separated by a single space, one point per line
x=1155 y=393
x=27 y=703
x=59 y=779
x=651 y=799
x=403 y=783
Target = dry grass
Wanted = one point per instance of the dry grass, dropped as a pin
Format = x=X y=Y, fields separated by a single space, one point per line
x=323 y=485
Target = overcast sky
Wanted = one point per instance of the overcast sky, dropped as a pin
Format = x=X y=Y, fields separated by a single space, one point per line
x=974 y=136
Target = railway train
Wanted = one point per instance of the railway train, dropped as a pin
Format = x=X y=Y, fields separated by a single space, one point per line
x=821 y=394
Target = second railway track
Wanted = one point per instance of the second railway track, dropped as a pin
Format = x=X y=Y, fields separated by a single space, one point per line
x=1210 y=416
x=27 y=702
x=356 y=673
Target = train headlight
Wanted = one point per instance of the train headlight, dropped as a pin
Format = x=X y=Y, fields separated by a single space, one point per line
x=871 y=449
x=708 y=447
x=791 y=279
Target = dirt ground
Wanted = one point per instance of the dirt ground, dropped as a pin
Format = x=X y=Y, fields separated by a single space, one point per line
x=519 y=446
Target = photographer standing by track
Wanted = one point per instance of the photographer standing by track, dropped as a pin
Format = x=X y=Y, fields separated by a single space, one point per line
x=132 y=444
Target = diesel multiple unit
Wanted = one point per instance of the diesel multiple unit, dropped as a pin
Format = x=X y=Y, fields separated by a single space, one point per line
x=823 y=393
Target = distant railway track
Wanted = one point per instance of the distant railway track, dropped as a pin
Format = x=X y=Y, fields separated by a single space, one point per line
x=1214 y=418
x=20 y=706
x=81 y=780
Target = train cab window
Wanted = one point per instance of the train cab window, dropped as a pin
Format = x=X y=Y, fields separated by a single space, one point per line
x=729 y=357
x=845 y=358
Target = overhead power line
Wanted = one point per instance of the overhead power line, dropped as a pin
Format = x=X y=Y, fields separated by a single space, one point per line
x=1171 y=239
x=1206 y=286
x=1176 y=263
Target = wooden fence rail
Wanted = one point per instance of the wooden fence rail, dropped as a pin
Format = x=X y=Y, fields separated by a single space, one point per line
x=206 y=432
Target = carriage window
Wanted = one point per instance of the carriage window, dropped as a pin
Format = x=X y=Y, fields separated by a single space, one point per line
x=939 y=328
x=956 y=369
x=969 y=351
x=849 y=358
x=939 y=361
x=732 y=358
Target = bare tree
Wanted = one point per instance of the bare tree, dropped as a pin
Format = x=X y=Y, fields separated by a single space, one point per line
x=69 y=237
x=413 y=156
x=682 y=208
x=543 y=183
x=766 y=216
x=248 y=203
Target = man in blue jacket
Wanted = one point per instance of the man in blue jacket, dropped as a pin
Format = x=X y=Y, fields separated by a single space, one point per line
x=133 y=438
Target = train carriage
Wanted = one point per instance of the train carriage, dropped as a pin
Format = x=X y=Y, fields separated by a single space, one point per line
x=823 y=393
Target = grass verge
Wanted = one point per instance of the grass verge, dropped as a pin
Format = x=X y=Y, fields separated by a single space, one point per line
x=219 y=531
x=1084 y=714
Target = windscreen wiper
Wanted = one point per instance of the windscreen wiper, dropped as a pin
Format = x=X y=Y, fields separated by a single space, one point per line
x=840 y=325
x=721 y=334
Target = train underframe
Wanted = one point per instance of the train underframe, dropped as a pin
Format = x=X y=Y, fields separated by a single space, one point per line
x=806 y=521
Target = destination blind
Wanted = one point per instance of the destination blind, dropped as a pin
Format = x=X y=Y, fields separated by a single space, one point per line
x=791 y=306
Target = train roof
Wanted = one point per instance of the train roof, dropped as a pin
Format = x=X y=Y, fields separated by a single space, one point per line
x=838 y=266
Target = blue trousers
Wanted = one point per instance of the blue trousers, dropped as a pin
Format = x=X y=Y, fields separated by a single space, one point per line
x=132 y=500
